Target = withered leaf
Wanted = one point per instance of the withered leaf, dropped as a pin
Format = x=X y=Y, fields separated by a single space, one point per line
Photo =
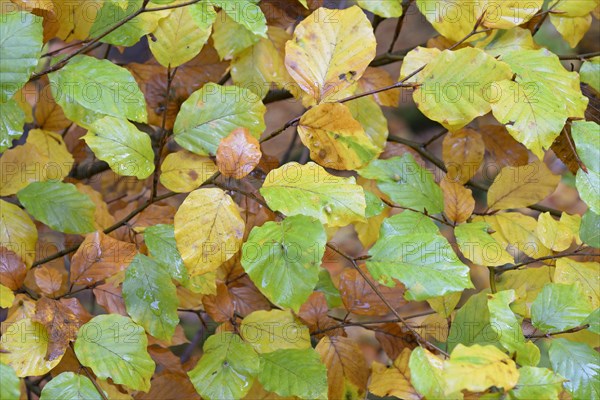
x=359 y=298
x=462 y=152
x=111 y=298
x=220 y=306
x=503 y=148
x=238 y=154
x=314 y=313
x=50 y=280
x=394 y=339
x=12 y=269
x=61 y=323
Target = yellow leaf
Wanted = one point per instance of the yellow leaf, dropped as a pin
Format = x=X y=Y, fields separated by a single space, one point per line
x=335 y=139
x=25 y=344
x=102 y=216
x=572 y=29
x=375 y=78
x=395 y=380
x=462 y=152
x=575 y=8
x=74 y=18
x=17 y=232
x=415 y=59
x=330 y=51
x=586 y=273
x=368 y=113
x=554 y=234
x=183 y=171
x=527 y=284
x=208 y=230
x=20 y=166
x=268 y=331
x=52 y=146
x=516 y=187
x=6 y=297
x=178 y=38
x=444 y=305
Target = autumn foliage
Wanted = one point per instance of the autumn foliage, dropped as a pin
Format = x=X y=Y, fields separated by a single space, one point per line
x=265 y=199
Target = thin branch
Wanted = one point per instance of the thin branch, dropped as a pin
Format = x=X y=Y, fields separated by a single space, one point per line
x=405 y=5
x=581 y=57
x=425 y=213
x=434 y=138
x=500 y=270
x=547 y=335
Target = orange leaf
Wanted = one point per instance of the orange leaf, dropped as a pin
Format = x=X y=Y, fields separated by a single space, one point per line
x=12 y=269
x=111 y=298
x=376 y=78
x=458 y=201
x=60 y=322
x=359 y=298
x=238 y=153
x=505 y=150
x=314 y=313
x=220 y=306
x=462 y=152
x=50 y=280
x=394 y=339
x=395 y=380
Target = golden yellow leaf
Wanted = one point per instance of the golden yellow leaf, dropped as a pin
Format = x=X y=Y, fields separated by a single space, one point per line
x=25 y=344
x=52 y=146
x=330 y=50
x=335 y=139
x=6 y=297
x=20 y=166
x=17 y=232
x=516 y=187
x=238 y=154
x=375 y=78
x=416 y=59
x=273 y=330
x=344 y=361
x=395 y=380
x=462 y=152
x=458 y=201
x=73 y=18
x=554 y=234
x=208 y=230
x=572 y=29
x=184 y=171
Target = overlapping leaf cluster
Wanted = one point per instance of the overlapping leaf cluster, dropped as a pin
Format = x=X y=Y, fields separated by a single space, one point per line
x=136 y=195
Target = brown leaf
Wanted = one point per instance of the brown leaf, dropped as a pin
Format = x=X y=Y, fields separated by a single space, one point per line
x=48 y=114
x=246 y=297
x=111 y=298
x=220 y=306
x=169 y=386
x=395 y=380
x=60 y=322
x=166 y=359
x=314 y=313
x=462 y=152
x=50 y=280
x=238 y=153
x=458 y=201
x=12 y=269
x=100 y=257
x=398 y=150
x=177 y=339
x=76 y=308
x=394 y=339
x=564 y=148
x=344 y=361
x=359 y=298
x=505 y=150
x=376 y=78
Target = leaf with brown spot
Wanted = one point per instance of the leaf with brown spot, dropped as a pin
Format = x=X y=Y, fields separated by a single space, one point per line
x=505 y=150
x=345 y=362
x=359 y=298
x=170 y=386
x=238 y=153
x=110 y=297
x=376 y=78
x=314 y=313
x=458 y=201
x=60 y=322
x=50 y=280
x=220 y=306
x=394 y=339
x=100 y=257
x=395 y=380
x=462 y=152
x=12 y=269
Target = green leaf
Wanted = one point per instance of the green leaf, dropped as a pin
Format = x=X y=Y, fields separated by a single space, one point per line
x=283 y=259
x=59 y=205
x=588 y=185
x=471 y=324
x=231 y=38
x=479 y=246
x=160 y=240
x=537 y=383
x=447 y=93
x=294 y=372
x=88 y=89
x=212 y=112
x=586 y=135
x=273 y=330
x=385 y=8
x=227 y=368
x=10 y=386
x=527 y=284
x=127 y=150
x=151 y=297
x=424 y=262
x=12 y=119
x=559 y=307
x=69 y=385
x=406 y=182
x=406 y=223
x=578 y=363
x=326 y=286
x=295 y=189
x=593 y=320
x=586 y=274
x=508 y=328
x=589 y=231
x=590 y=73
x=366 y=111
x=113 y=346
x=20 y=50
x=246 y=13
x=427 y=375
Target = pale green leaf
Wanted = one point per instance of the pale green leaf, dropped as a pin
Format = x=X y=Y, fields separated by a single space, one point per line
x=427 y=375
x=231 y=38
x=579 y=364
x=471 y=324
x=227 y=368
x=59 y=205
x=406 y=182
x=12 y=119
x=10 y=387
x=88 y=89
x=127 y=150
x=151 y=297
x=479 y=246
x=295 y=189
x=590 y=73
x=212 y=112
x=590 y=229
x=294 y=372
x=559 y=307
x=537 y=383
x=588 y=185
x=273 y=330
x=69 y=385
x=283 y=258
x=366 y=111
x=593 y=320
x=383 y=8
x=160 y=240
x=587 y=274
x=246 y=13
x=586 y=135
x=113 y=346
